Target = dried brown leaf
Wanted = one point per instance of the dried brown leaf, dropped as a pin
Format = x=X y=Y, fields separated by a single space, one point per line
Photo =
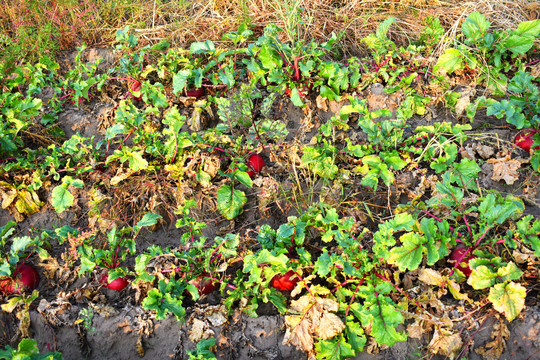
x=50 y=266
x=298 y=333
x=462 y=103
x=314 y=319
x=494 y=349
x=419 y=328
x=431 y=277
x=140 y=346
x=196 y=332
x=329 y=326
x=195 y=121
x=484 y=151
x=445 y=343
x=322 y=103
x=505 y=169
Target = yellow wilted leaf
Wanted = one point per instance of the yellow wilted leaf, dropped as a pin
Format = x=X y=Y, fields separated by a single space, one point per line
x=19 y=200
x=454 y=290
x=430 y=277
x=28 y=202
x=508 y=298
x=120 y=176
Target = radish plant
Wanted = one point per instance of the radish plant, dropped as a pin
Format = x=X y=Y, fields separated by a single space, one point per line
x=113 y=253
x=16 y=276
x=522 y=110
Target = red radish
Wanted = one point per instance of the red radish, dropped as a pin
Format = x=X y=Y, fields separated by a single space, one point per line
x=25 y=279
x=118 y=284
x=196 y=93
x=458 y=255
x=6 y=285
x=79 y=101
x=256 y=162
x=284 y=282
x=135 y=90
x=303 y=92
x=204 y=284
x=525 y=139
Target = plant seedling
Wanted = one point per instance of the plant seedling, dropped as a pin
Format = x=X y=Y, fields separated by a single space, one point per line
x=460 y=258
x=283 y=282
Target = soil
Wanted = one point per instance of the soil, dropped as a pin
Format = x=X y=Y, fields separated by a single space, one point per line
x=121 y=329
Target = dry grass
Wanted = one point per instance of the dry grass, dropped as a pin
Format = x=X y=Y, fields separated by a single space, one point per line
x=353 y=19
x=185 y=21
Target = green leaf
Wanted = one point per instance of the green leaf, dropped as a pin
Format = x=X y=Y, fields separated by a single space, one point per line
x=328 y=93
x=147 y=220
x=202 y=351
x=336 y=348
x=355 y=334
x=475 y=27
x=5 y=269
x=499 y=213
x=230 y=201
x=27 y=347
x=513 y=115
x=508 y=298
x=227 y=245
x=154 y=94
x=140 y=268
x=450 y=61
x=134 y=158
x=518 y=44
x=482 y=277
x=61 y=198
x=244 y=178
x=295 y=97
x=395 y=162
x=269 y=57
x=409 y=255
x=384 y=320
x=87 y=265
x=323 y=264
x=266 y=236
x=167 y=298
x=180 y=81
x=383 y=27
x=203 y=47
x=529 y=230
x=20 y=244
x=509 y=272
x=468 y=170
x=435 y=233
x=528 y=28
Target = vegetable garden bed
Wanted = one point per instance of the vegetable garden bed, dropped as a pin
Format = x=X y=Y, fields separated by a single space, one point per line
x=301 y=206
